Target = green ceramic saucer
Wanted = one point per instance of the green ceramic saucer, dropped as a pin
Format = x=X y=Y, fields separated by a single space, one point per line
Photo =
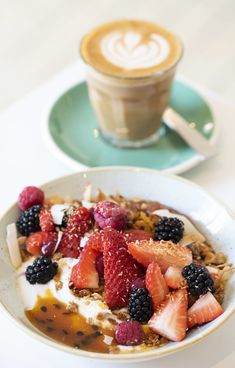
x=74 y=137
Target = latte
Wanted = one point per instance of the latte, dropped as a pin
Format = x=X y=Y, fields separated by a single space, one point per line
x=131 y=48
x=130 y=69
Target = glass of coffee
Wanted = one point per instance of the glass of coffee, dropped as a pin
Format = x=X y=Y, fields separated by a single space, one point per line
x=130 y=69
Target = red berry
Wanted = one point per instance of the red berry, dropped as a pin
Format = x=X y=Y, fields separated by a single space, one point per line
x=107 y=213
x=29 y=197
x=100 y=264
x=134 y=235
x=120 y=269
x=164 y=253
x=138 y=283
x=156 y=284
x=170 y=318
x=84 y=273
x=78 y=224
x=46 y=219
x=36 y=241
x=129 y=333
x=205 y=309
x=96 y=240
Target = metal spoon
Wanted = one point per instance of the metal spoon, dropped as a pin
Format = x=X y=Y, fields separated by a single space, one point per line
x=176 y=122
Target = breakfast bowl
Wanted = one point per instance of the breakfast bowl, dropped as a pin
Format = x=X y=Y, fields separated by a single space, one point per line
x=211 y=220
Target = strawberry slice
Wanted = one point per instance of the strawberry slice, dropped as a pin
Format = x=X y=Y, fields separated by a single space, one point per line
x=205 y=309
x=78 y=224
x=134 y=235
x=174 y=278
x=84 y=273
x=120 y=269
x=156 y=284
x=164 y=253
x=170 y=319
x=46 y=219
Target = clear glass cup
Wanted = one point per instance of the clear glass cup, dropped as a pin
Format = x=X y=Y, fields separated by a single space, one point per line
x=130 y=109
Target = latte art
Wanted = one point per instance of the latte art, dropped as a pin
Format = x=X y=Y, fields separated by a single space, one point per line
x=130 y=51
x=131 y=48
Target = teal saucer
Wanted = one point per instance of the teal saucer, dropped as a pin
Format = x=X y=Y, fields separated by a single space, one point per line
x=73 y=134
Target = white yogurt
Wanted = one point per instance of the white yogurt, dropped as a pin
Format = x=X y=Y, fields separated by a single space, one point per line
x=88 y=308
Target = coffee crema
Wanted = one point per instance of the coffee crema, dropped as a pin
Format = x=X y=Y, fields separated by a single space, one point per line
x=131 y=48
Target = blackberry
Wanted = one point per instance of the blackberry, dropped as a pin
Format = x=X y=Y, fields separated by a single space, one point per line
x=140 y=305
x=28 y=222
x=169 y=228
x=41 y=271
x=198 y=279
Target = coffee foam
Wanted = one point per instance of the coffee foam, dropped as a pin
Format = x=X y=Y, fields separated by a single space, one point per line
x=129 y=51
x=131 y=48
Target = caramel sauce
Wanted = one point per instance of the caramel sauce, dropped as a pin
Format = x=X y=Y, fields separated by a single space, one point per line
x=52 y=318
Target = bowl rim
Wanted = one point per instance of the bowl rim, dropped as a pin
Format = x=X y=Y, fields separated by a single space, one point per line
x=135 y=356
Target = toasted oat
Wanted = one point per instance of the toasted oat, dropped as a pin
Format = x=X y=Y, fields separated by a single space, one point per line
x=21 y=240
x=84 y=292
x=58 y=285
x=152 y=339
x=96 y=296
x=72 y=307
x=57 y=256
x=54 y=199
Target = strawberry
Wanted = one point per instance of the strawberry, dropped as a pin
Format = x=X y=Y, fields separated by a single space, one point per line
x=37 y=240
x=164 y=253
x=78 y=224
x=96 y=240
x=46 y=219
x=156 y=284
x=170 y=318
x=174 y=278
x=84 y=273
x=120 y=269
x=205 y=309
x=136 y=235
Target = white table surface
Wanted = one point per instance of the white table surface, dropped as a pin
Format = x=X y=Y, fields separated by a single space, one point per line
x=25 y=160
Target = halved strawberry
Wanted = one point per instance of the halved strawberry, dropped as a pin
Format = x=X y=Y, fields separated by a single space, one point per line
x=134 y=235
x=46 y=219
x=164 y=253
x=205 y=309
x=170 y=319
x=156 y=284
x=120 y=269
x=84 y=273
x=174 y=278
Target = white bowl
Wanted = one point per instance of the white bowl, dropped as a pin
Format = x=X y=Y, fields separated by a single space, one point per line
x=215 y=221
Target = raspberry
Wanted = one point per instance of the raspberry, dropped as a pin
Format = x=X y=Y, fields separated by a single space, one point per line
x=46 y=219
x=78 y=224
x=36 y=241
x=138 y=283
x=107 y=213
x=129 y=333
x=29 y=197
